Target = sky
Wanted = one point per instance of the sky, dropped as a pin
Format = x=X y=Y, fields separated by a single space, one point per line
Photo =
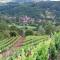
x=4 y=1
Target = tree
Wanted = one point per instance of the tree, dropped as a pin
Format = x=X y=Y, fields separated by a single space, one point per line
x=3 y=26
x=58 y=28
x=49 y=27
x=41 y=30
x=28 y=32
x=13 y=28
x=12 y=34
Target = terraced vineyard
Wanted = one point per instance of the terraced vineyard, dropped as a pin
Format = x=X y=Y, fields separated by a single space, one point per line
x=30 y=40
x=34 y=40
x=7 y=43
x=31 y=48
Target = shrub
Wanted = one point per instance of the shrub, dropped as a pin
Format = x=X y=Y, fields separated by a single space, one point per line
x=12 y=34
x=57 y=40
x=41 y=30
x=28 y=32
x=49 y=27
x=52 y=52
x=58 y=28
x=13 y=28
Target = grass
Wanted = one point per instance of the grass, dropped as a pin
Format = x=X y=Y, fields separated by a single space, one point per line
x=22 y=27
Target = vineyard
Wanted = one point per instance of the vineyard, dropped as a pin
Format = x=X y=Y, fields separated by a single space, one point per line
x=41 y=47
x=7 y=43
x=34 y=48
x=34 y=40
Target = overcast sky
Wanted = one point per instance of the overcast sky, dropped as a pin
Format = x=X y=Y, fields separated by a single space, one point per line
x=4 y=1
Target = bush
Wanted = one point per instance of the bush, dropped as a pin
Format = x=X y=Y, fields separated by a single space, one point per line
x=41 y=30
x=4 y=34
x=52 y=52
x=58 y=28
x=12 y=34
x=28 y=32
x=49 y=27
x=57 y=40
x=3 y=26
x=13 y=28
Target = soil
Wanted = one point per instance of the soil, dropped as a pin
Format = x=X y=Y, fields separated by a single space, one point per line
x=19 y=42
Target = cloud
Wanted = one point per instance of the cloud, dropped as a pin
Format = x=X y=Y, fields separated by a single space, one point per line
x=4 y=1
x=46 y=0
x=55 y=0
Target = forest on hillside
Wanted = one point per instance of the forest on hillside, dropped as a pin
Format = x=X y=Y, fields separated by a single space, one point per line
x=31 y=9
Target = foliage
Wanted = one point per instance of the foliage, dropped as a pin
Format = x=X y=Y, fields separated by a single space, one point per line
x=36 y=48
x=4 y=30
x=41 y=30
x=49 y=27
x=13 y=28
x=58 y=28
x=39 y=52
x=12 y=33
x=34 y=10
x=52 y=51
x=57 y=40
x=3 y=26
x=28 y=32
